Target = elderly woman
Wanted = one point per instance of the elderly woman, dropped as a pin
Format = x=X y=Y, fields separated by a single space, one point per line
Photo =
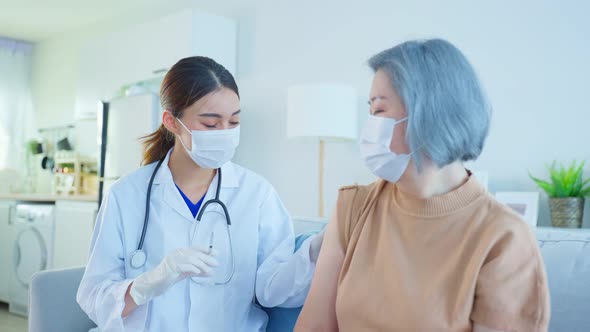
x=425 y=248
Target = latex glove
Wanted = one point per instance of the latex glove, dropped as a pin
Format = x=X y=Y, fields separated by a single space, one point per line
x=315 y=246
x=178 y=265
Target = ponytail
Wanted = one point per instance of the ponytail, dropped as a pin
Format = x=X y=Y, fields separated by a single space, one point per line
x=156 y=145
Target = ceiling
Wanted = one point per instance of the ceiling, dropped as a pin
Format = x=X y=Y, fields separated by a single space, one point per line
x=39 y=20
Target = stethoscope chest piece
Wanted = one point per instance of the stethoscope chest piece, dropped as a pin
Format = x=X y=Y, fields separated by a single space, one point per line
x=138 y=259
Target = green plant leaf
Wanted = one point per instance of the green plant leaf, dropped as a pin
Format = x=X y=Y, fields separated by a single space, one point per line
x=574 y=179
x=585 y=192
x=577 y=188
x=570 y=179
x=580 y=178
x=579 y=182
x=557 y=179
x=585 y=188
x=546 y=186
x=565 y=181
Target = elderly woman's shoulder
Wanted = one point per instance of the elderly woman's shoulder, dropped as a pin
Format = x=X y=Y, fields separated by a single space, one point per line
x=362 y=190
x=377 y=185
x=503 y=221
x=358 y=196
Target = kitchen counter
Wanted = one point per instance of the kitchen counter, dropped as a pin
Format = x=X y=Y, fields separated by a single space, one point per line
x=34 y=197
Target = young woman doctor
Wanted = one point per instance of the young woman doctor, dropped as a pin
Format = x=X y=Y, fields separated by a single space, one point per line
x=216 y=236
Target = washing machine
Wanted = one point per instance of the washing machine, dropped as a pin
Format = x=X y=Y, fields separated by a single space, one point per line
x=33 y=231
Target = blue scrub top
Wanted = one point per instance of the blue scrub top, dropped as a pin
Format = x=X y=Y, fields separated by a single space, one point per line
x=194 y=207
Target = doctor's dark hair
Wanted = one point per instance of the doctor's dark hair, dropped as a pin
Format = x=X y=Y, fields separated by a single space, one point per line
x=448 y=114
x=189 y=80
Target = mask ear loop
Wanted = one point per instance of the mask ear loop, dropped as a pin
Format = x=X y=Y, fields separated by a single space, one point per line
x=180 y=138
x=412 y=153
x=401 y=120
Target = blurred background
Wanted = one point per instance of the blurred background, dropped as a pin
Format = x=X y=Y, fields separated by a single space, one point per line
x=65 y=64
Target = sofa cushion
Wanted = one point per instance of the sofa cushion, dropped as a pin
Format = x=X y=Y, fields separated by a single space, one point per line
x=566 y=254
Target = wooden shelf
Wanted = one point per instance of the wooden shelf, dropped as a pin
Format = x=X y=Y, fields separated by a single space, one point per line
x=62 y=180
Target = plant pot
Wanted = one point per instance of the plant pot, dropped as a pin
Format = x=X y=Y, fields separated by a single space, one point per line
x=567 y=212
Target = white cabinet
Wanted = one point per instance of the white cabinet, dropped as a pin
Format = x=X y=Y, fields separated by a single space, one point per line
x=133 y=54
x=74 y=223
x=6 y=246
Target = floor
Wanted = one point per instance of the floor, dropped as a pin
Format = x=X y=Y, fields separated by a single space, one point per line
x=10 y=322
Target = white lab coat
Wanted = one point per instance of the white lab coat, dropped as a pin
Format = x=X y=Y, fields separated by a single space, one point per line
x=263 y=243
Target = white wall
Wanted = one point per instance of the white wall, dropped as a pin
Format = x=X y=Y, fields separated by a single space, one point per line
x=531 y=56
x=59 y=62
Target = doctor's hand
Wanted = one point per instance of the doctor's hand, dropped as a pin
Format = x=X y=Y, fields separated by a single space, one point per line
x=178 y=265
x=315 y=246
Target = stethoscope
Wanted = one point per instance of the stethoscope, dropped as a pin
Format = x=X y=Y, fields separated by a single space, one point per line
x=139 y=257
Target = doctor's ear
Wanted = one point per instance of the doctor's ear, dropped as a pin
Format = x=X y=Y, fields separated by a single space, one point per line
x=169 y=121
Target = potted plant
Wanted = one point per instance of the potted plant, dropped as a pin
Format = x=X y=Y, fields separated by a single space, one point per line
x=566 y=190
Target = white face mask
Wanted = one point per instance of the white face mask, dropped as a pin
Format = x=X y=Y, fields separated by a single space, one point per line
x=375 y=141
x=212 y=148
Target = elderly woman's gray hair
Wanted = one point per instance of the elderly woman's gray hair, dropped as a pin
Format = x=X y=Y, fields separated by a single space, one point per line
x=449 y=116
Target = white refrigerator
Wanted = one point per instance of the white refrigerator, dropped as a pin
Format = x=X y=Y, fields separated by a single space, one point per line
x=124 y=121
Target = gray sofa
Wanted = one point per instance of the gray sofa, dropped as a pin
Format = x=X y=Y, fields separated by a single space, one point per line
x=566 y=253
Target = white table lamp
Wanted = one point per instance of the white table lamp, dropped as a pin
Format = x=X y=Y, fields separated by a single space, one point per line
x=325 y=112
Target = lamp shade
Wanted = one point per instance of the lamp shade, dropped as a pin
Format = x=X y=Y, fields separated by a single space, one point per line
x=323 y=111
